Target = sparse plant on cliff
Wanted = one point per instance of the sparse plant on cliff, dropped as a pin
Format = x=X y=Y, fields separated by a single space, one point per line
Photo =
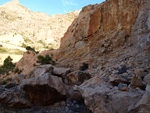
x=30 y=48
x=45 y=60
x=7 y=66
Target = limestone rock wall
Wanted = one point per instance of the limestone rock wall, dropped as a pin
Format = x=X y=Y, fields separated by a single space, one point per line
x=107 y=34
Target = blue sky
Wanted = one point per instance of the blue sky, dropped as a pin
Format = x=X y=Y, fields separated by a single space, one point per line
x=54 y=6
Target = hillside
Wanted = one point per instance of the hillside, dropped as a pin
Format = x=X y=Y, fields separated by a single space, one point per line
x=19 y=27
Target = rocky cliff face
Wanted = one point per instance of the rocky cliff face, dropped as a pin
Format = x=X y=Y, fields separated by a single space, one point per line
x=114 y=32
x=106 y=36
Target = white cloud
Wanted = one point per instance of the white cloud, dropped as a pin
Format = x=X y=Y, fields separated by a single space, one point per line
x=66 y=2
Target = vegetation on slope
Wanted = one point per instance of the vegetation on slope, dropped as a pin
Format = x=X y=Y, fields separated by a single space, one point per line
x=7 y=66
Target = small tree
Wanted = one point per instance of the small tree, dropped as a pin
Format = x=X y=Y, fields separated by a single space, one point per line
x=45 y=60
x=30 y=48
x=8 y=62
x=7 y=66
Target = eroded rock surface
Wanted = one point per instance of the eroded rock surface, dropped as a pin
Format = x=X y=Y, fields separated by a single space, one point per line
x=45 y=89
x=108 y=35
x=102 y=97
x=13 y=98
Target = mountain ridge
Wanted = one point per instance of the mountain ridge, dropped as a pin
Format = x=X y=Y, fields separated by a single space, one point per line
x=17 y=19
x=21 y=27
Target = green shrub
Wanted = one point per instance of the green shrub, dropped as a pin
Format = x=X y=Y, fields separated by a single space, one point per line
x=30 y=48
x=37 y=52
x=45 y=60
x=7 y=66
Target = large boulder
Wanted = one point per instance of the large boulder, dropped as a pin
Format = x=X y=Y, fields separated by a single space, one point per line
x=143 y=106
x=137 y=82
x=18 y=78
x=77 y=77
x=60 y=71
x=101 y=97
x=45 y=89
x=115 y=80
x=147 y=79
x=13 y=98
x=38 y=71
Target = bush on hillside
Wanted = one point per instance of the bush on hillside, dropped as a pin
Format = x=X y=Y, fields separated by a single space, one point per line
x=45 y=60
x=30 y=48
x=7 y=66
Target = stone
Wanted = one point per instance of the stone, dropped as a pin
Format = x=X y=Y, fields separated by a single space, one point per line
x=45 y=89
x=103 y=98
x=40 y=70
x=77 y=77
x=140 y=73
x=146 y=97
x=115 y=80
x=76 y=96
x=122 y=87
x=18 y=78
x=14 y=98
x=143 y=104
x=137 y=82
x=147 y=79
x=61 y=72
x=122 y=70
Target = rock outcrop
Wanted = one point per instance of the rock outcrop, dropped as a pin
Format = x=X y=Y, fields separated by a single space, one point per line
x=77 y=77
x=144 y=104
x=28 y=61
x=44 y=89
x=13 y=98
x=100 y=96
x=108 y=35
